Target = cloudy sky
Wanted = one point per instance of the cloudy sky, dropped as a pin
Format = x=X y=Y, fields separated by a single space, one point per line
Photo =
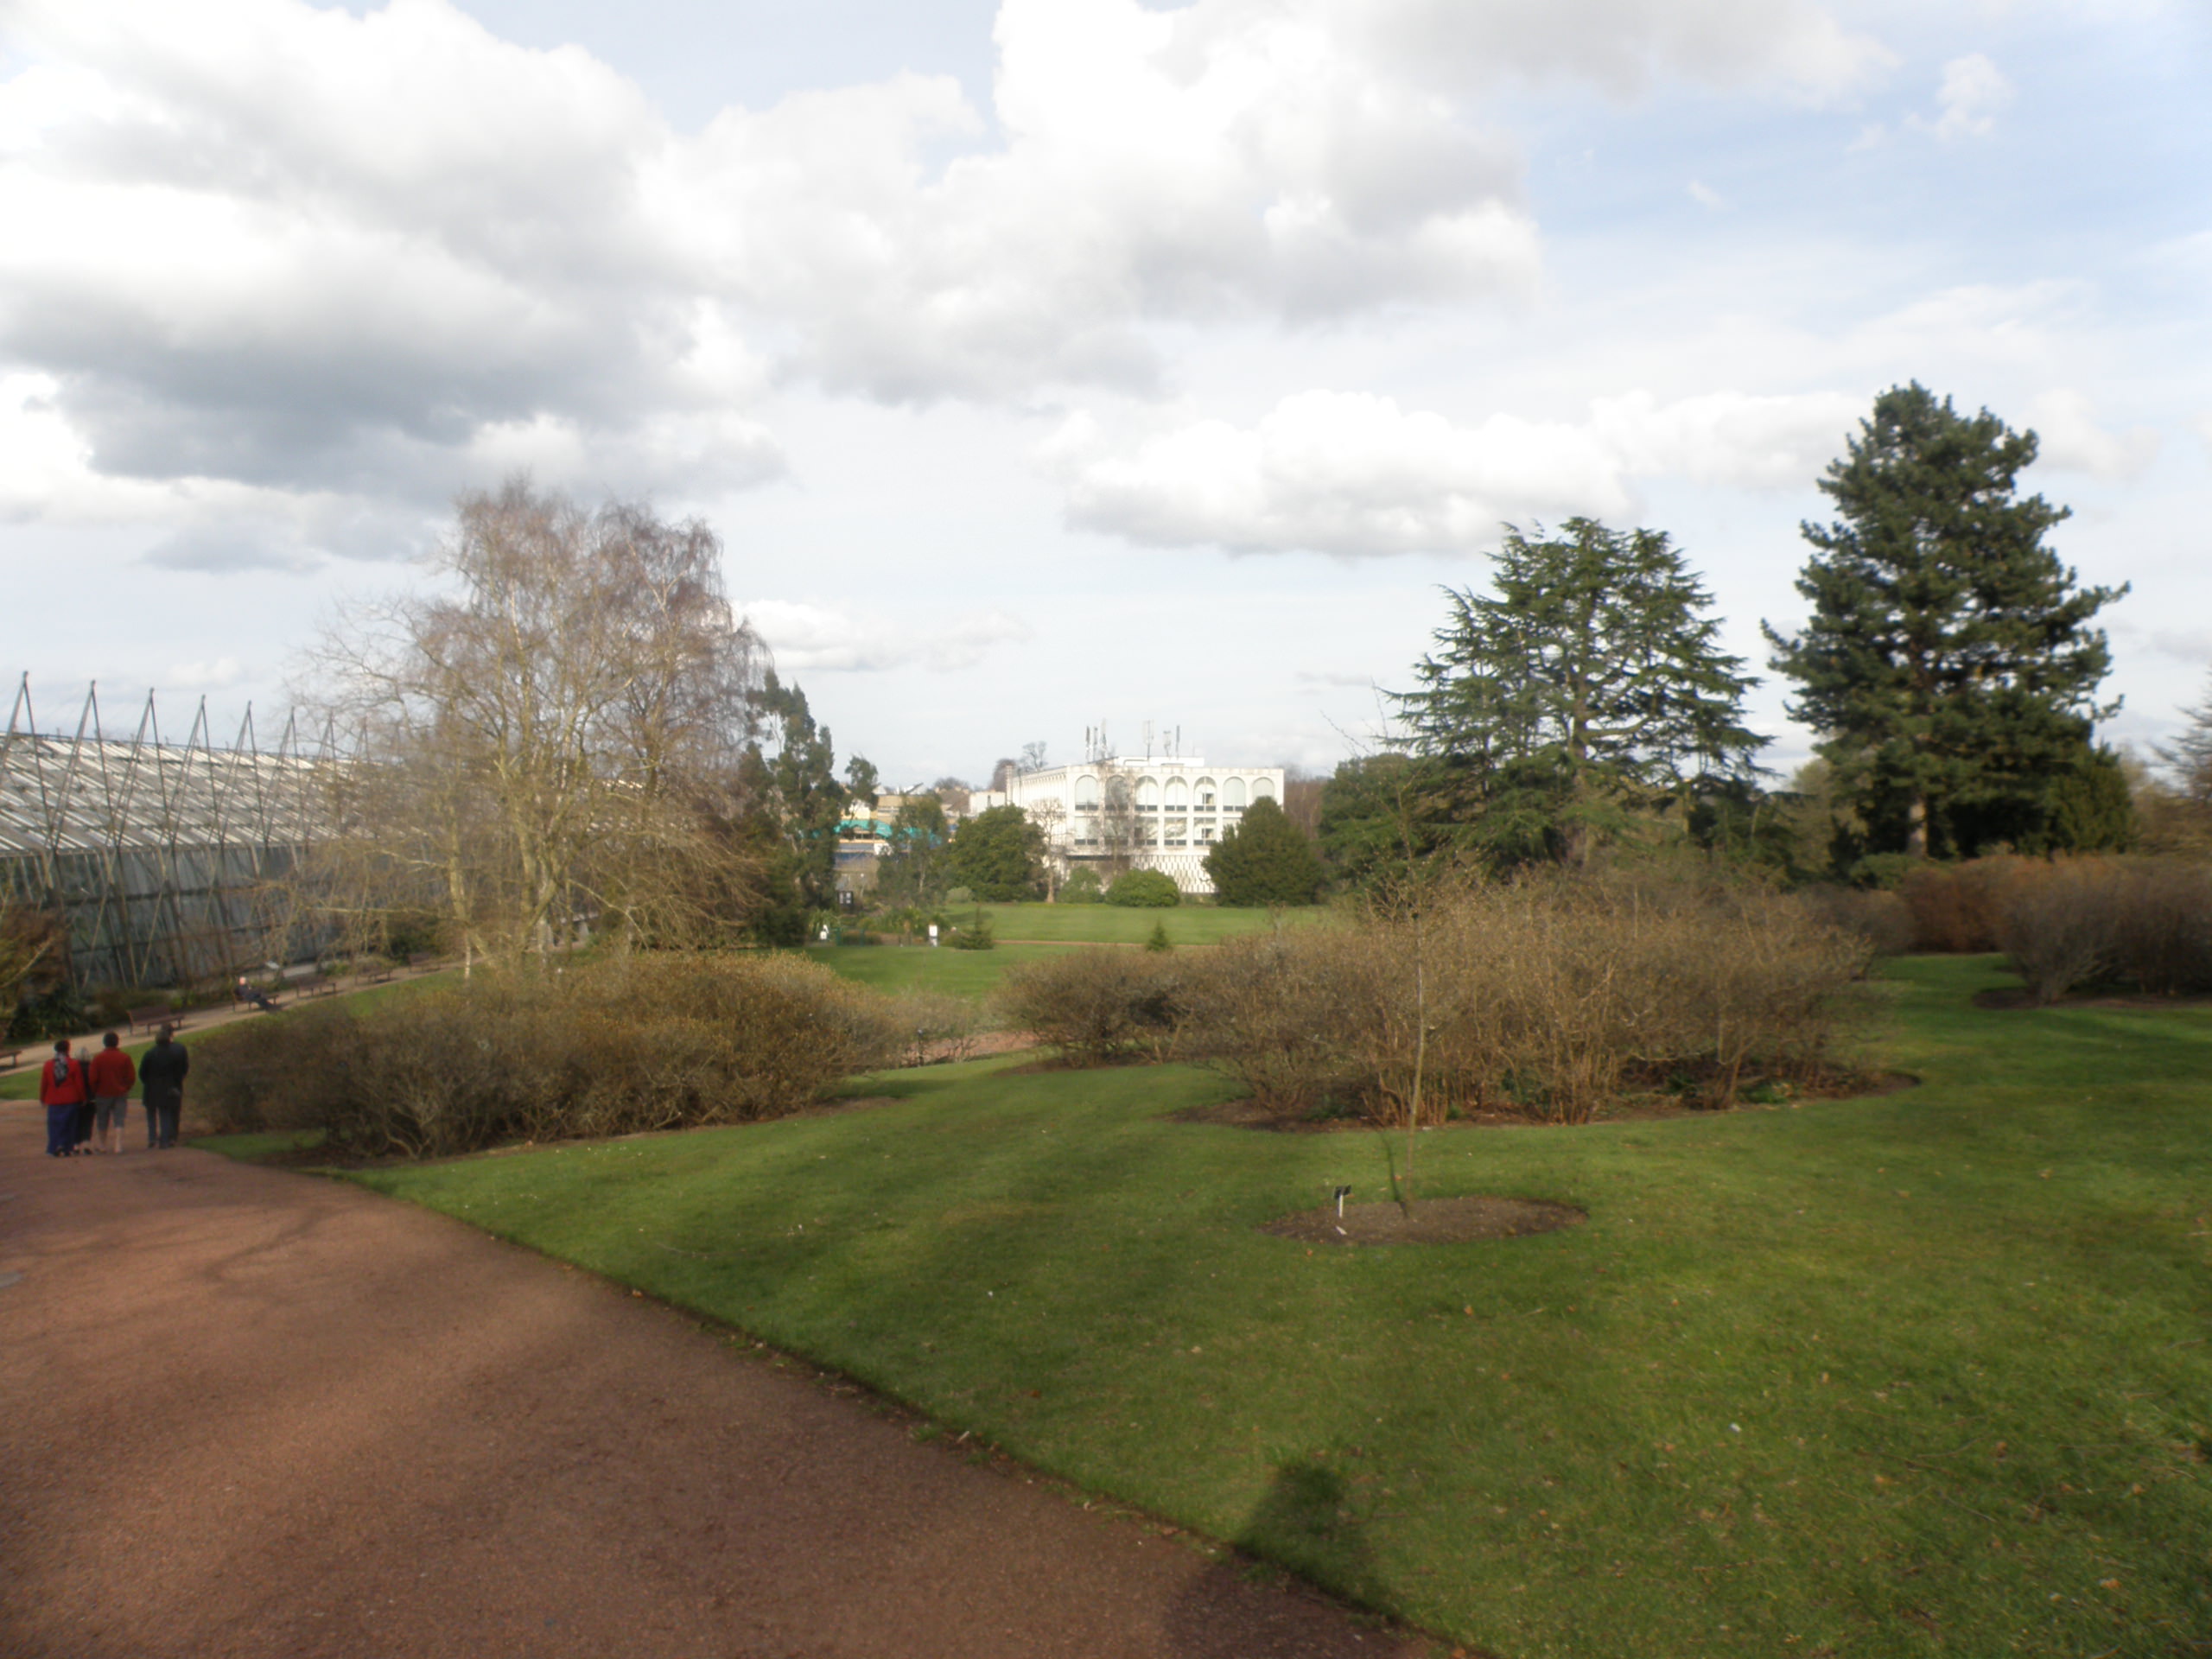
x=1073 y=360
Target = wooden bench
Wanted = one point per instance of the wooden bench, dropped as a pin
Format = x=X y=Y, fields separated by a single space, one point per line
x=314 y=988
x=157 y=1014
x=10 y=1058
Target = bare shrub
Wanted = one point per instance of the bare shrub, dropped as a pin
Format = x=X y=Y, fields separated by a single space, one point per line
x=633 y=1043
x=1958 y=907
x=262 y=1073
x=1097 y=1006
x=2163 y=927
x=1880 y=919
x=1545 y=998
x=2059 y=927
x=1269 y=1010
x=933 y=1026
x=2079 y=922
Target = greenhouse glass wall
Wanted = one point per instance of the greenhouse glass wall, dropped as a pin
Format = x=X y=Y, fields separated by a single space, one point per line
x=165 y=859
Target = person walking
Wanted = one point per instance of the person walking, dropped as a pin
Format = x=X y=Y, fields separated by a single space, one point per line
x=110 y=1074
x=160 y=1094
x=61 y=1090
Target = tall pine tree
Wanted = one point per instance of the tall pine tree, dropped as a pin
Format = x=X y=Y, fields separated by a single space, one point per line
x=1949 y=665
x=1589 y=685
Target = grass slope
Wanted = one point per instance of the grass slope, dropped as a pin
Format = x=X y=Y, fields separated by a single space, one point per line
x=917 y=967
x=1926 y=1374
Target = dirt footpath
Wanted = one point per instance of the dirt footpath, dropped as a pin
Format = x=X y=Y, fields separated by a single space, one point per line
x=247 y=1412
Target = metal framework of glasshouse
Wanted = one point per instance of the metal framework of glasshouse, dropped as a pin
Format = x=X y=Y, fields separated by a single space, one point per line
x=160 y=856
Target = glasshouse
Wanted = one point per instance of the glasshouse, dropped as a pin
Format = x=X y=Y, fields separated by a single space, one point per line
x=160 y=856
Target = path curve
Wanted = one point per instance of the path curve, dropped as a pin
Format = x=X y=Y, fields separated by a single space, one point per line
x=248 y=1412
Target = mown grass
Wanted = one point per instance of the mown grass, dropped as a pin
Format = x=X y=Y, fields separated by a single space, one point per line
x=260 y=1145
x=1915 y=1375
x=917 y=967
x=1111 y=924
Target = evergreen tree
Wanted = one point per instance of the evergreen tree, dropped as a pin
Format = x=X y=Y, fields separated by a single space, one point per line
x=912 y=870
x=1264 y=860
x=795 y=803
x=1588 y=687
x=1949 y=665
x=997 y=855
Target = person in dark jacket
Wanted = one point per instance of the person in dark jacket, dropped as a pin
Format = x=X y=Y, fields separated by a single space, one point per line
x=62 y=1091
x=161 y=1086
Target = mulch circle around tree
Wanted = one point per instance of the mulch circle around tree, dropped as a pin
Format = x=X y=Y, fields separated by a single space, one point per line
x=1431 y=1221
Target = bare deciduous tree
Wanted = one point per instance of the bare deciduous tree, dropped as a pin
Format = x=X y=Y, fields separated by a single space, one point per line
x=549 y=741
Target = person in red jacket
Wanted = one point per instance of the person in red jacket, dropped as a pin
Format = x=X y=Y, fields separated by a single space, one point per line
x=109 y=1074
x=61 y=1090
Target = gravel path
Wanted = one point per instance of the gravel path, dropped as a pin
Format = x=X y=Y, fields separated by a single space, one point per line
x=244 y=1412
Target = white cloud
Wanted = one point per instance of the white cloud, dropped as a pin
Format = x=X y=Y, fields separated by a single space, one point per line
x=809 y=638
x=1705 y=195
x=1973 y=90
x=1355 y=475
x=274 y=244
x=2071 y=440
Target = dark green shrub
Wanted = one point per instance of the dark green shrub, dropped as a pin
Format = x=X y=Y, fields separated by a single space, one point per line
x=1083 y=887
x=1159 y=940
x=1264 y=859
x=1144 y=890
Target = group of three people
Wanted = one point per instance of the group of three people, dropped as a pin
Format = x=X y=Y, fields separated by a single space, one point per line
x=86 y=1101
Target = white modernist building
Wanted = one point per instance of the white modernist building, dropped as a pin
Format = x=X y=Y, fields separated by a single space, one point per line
x=1148 y=814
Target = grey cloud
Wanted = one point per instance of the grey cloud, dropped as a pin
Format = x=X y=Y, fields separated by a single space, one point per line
x=220 y=552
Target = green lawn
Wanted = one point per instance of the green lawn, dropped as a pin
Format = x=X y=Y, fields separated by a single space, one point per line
x=1924 y=1374
x=1111 y=924
x=917 y=966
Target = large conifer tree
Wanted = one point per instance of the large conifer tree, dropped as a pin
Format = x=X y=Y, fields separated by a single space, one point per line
x=1590 y=683
x=1949 y=665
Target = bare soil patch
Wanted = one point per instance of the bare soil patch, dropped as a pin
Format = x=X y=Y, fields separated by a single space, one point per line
x=1430 y=1221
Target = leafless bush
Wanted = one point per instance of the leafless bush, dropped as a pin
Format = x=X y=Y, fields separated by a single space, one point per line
x=2080 y=922
x=1544 y=998
x=1880 y=918
x=647 y=1042
x=1270 y=1009
x=2060 y=927
x=1958 y=907
x=1097 y=1006
x=933 y=1026
x=2165 y=926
